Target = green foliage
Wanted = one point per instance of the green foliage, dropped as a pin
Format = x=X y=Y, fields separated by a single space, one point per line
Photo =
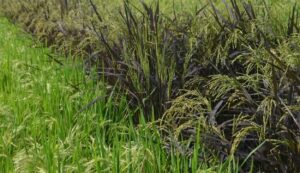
x=53 y=118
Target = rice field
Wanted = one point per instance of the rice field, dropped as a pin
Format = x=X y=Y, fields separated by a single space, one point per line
x=149 y=86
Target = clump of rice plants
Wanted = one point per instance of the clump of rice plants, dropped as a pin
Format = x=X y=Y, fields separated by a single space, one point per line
x=239 y=71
